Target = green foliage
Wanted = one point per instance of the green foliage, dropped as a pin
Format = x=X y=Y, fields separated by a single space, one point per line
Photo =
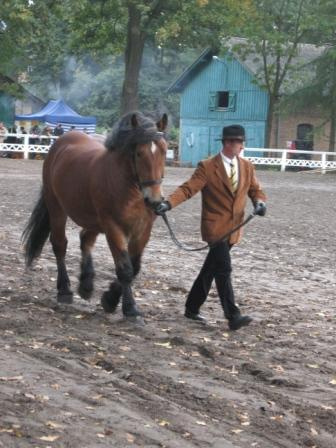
x=16 y=18
x=118 y=26
x=273 y=33
x=95 y=89
x=76 y=50
x=48 y=48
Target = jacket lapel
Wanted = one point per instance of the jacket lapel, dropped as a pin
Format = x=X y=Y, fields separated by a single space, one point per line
x=221 y=172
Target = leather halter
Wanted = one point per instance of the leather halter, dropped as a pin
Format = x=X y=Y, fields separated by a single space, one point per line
x=149 y=183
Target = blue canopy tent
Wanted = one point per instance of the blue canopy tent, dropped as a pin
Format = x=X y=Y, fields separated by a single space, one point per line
x=57 y=111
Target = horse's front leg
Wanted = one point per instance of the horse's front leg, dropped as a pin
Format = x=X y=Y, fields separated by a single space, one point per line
x=125 y=274
x=111 y=298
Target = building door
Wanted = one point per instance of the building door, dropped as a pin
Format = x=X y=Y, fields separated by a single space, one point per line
x=305 y=131
x=194 y=143
x=304 y=140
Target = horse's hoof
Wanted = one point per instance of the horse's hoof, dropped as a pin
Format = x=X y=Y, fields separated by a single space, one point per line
x=109 y=303
x=136 y=320
x=65 y=298
x=84 y=292
x=115 y=291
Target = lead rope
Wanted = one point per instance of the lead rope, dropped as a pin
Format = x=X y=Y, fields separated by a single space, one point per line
x=207 y=246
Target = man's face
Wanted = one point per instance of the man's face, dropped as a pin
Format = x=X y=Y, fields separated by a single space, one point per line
x=233 y=146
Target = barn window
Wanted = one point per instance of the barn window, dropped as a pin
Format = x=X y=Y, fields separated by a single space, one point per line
x=222 y=100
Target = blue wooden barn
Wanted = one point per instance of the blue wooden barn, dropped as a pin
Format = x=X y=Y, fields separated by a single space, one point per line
x=217 y=92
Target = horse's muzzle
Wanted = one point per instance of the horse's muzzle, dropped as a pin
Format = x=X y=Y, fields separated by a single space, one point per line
x=153 y=204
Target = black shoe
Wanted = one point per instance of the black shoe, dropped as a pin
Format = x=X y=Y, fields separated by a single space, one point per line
x=194 y=316
x=239 y=321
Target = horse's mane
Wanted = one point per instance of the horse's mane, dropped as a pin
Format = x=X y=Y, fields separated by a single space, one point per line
x=124 y=135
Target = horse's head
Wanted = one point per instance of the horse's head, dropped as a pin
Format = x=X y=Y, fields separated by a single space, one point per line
x=141 y=137
x=149 y=161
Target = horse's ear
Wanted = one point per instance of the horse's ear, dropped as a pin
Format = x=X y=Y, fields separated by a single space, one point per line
x=162 y=123
x=134 y=121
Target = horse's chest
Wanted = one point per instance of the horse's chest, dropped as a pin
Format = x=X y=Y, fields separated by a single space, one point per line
x=138 y=226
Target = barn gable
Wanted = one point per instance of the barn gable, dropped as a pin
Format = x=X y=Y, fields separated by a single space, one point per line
x=216 y=92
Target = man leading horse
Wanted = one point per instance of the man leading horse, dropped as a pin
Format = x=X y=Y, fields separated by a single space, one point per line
x=225 y=181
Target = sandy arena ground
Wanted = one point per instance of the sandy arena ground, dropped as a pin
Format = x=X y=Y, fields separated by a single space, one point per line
x=73 y=376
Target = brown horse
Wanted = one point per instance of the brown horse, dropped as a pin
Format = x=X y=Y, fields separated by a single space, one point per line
x=104 y=189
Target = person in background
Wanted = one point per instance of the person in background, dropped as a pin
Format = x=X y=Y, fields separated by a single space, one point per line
x=12 y=139
x=35 y=131
x=3 y=132
x=59 y=130
x=225 y=181
x=47 y=131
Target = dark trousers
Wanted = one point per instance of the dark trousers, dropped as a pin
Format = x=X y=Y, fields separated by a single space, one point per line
x=217 y=265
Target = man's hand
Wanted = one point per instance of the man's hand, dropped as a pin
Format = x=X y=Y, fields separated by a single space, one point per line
x=162 y=208
x=259 y=208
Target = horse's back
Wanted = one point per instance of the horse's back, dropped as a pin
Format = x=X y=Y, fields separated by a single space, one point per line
x=72 y=148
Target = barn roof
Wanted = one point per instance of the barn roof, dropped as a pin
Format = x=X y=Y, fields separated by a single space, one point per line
x=180 y=83
x=252 y=62
x=22 y=89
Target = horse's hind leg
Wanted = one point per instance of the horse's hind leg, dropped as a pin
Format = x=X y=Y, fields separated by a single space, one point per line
x=87 y=240
x=59 y=244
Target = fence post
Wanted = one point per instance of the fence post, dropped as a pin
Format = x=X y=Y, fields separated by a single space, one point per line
x=26 y=146
x=283 y=160
x=324 y=162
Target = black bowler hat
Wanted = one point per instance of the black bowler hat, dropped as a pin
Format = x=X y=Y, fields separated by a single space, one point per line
x=234 y=131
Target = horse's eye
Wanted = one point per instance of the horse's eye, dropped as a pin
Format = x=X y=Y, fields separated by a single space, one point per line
x=138 y=154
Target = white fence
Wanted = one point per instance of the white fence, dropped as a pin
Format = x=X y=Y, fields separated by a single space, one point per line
x=282 y=158
x=24 y=145
x=291 y=158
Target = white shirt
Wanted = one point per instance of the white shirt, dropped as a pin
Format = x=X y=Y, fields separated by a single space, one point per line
x=227 y=165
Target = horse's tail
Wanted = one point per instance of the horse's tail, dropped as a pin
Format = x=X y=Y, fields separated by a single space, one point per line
x=36 y=231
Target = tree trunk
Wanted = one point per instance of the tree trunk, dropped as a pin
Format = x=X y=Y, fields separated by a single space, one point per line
x=269 y=122
x=332 y=128
x=133 y=57
x=333 y=114
x=276 y=121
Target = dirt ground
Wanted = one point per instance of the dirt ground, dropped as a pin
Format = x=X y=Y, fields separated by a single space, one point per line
x=73 y=376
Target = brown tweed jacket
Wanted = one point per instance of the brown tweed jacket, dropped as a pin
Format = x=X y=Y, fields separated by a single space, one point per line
x=221 y=209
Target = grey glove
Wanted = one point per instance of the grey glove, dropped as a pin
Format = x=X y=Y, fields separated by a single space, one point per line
x=162 y=208
x=260 y=208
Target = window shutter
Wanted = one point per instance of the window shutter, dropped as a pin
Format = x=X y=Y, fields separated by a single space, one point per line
x=212 y=100
x=232 y=101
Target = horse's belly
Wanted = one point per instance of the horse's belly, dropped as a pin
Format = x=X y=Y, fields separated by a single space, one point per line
x=85 y=220
x=75 y=199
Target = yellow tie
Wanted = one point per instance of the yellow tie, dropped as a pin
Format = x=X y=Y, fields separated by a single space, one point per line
x=233 y=178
